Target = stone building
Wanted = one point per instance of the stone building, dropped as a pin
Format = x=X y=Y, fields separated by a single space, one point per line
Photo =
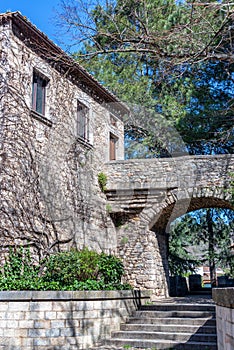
x=58 y=127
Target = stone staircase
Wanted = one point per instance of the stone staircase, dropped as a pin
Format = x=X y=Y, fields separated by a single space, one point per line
x=169 y=326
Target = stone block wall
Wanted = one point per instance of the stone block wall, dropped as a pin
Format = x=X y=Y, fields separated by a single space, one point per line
x=31 y=320
x=224 y=299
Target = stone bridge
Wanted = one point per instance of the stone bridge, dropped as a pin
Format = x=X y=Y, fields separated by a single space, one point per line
x=146 y=195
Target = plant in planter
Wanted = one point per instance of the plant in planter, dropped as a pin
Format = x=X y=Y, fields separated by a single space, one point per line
x=74 y=270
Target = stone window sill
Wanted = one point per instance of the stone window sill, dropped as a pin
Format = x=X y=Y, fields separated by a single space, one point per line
x=84 y=142
x=41 y=118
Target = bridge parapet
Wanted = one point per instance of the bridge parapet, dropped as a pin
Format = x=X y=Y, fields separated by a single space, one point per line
x=168 y=173
x=139 y=183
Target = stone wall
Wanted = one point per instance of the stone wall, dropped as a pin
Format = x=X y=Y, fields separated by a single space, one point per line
x=62 y=320
x=165 y=173
x=224 y=299
x=49 y=176
x=140 y=251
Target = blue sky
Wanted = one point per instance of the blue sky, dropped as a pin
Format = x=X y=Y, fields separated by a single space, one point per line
x=40 y=12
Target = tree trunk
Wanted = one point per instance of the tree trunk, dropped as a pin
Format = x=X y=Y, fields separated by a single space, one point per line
x=211 y=248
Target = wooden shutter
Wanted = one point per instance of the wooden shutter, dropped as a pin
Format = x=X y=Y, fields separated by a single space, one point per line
x=113 y=141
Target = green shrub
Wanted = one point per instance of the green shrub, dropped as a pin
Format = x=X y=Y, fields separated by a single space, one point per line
x=68 y=267
x=61 y=268
x=102 y=180
x=88 y=264
x=74 y=270
x=110 y=268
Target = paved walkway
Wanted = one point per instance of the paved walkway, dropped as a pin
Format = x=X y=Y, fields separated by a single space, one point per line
x=190 y=299
x=111 y=347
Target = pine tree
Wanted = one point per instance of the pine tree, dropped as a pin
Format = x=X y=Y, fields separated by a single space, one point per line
x=166 y=56
x=201 y=237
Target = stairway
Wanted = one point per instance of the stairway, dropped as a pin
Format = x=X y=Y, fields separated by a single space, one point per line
x=169 y=326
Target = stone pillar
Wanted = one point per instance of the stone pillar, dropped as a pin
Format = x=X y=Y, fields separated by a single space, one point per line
x=224 y=299
x=141 y=252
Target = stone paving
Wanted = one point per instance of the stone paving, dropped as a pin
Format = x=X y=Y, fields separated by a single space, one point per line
x=112 y=347
x=190 y=299
x=118 y=348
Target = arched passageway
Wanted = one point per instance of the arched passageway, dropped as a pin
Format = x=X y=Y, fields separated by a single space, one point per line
x=173 y=211
x=200 y=242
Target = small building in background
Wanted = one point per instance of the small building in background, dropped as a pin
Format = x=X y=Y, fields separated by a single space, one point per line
x=204 y=271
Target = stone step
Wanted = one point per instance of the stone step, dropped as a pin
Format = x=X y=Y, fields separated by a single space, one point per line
x=175 y=328
x=161 y=344
x=169 y=326
x=179 y=313
x=173 y=321
x=205 y=291
x=178 y=307
x=170 y=336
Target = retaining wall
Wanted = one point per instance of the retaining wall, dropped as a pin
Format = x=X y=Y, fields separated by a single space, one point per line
x=31 y=320
x=224 y=299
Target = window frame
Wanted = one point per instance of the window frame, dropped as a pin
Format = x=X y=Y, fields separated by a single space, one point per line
x=113 y=120
x=39 y=86
x=83 y=121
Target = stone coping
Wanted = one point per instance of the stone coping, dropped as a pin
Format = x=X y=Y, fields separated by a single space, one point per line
x=170 y=159
x=224 y=297
x=26 y=295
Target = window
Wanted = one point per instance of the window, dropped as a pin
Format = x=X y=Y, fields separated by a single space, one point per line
x=83 y=121
x=113 y=143
x=39 y=93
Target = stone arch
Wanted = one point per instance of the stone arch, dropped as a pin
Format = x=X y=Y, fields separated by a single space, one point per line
x=176 y=206
x=178 y=202
x=143 y=239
